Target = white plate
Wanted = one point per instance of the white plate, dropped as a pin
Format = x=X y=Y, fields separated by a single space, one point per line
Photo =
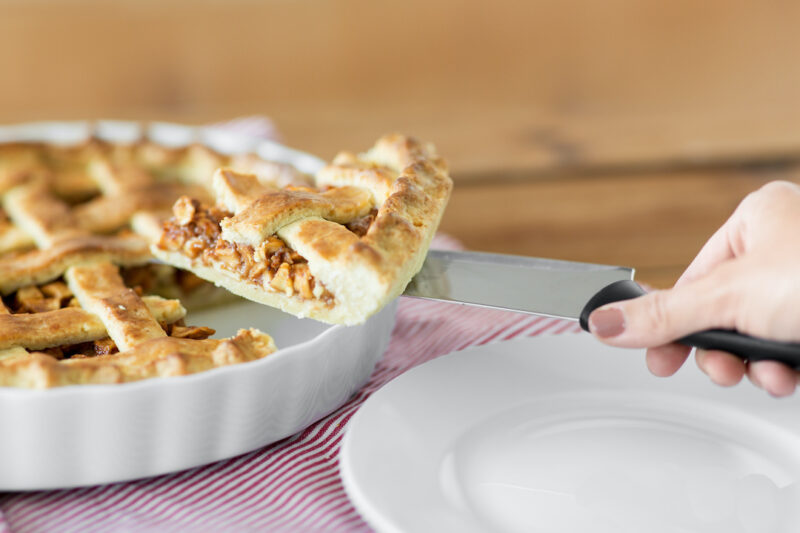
x=84 y=435
x=561 y=433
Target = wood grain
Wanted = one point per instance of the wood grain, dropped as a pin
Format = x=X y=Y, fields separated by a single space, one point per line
x=654 y=222
x=615 y=131
x=505 y=86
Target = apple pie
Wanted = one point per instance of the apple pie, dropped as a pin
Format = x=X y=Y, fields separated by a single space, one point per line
x=82 y=299
x=336 y=249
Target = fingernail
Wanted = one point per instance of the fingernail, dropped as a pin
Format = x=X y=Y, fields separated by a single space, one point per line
x=607 y=322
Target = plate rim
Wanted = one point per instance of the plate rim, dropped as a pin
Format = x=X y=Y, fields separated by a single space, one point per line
x=383 y=520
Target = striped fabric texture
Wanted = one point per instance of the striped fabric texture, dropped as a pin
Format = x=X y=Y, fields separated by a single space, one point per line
x=291 y=485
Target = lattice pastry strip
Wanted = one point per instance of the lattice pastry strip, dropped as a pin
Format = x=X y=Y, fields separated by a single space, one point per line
x=60 y=207
x=110 y=213
x=40 y=266
x=12 y=351
x=46 y=219
x=337 y=252
x=18 y=162
x=127 y=190
x=161 y=357
x=236 y=190
x=378 y=168
x=62 y=241
x=100 y=290
x=132 y=180
x=66 y=236
x=71 y=325
x=12 y=238
x=132 y=322
x=266 y=213
x=115 y=180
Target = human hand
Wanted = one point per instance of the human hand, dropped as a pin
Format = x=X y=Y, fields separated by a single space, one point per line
x=746 y=277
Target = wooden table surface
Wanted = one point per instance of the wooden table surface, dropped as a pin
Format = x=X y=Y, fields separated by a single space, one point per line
x=620 y=132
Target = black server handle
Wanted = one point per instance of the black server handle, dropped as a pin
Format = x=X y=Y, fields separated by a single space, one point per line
x=741 y=345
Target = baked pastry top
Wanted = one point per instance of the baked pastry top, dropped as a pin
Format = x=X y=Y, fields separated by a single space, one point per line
x=100 y=331
x=337 y=249
x=82 y=300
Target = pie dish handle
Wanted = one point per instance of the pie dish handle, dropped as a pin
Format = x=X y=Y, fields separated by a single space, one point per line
x=731 y=341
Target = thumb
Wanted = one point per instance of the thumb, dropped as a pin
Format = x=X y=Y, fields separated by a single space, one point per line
x=661 y=317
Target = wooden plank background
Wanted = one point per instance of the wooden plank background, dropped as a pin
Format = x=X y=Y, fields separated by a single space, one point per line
x=621 y=131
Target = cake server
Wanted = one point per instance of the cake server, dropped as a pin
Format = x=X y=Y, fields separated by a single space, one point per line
x=562 y=289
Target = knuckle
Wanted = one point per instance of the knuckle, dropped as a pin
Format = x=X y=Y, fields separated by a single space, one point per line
x=736 y=298
x=659 y=318
x=725 y=303
x=667 y=317
x=778 y=188
x=770 y=193
x=767 y=193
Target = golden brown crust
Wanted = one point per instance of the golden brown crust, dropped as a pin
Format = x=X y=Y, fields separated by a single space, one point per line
x=401 y=184
x=13 y=239
x=18 y=162
x=100 y=290
x=71 y=325
x=40 y=266
x=63 y=241
x=66 y=213
x=133 y=324
x=360 y=228
x=158 y=357
x=236 y=190
x=110 y=213
x=36 y=211
x=329 y=240
x=275 y=209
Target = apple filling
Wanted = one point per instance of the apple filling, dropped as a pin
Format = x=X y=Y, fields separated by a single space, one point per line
x=57 y=295
x=195 y=231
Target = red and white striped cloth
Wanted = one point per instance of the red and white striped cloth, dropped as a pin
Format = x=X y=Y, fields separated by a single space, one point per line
x=292 y=485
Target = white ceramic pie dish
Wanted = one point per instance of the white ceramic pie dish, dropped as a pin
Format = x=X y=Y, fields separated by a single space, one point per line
x=93 y=434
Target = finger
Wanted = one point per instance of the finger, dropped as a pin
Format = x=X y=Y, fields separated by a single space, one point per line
x=663 y=361
x=723 y=368
x=772 y=204
x=775 y=378
x=716 y=250
x=646 y=286
x=661 y=317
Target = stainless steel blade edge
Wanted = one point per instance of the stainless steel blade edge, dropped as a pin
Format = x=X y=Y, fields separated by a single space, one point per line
x=527 y=284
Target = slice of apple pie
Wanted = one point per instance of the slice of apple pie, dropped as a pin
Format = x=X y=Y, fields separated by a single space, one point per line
x=336 y=250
